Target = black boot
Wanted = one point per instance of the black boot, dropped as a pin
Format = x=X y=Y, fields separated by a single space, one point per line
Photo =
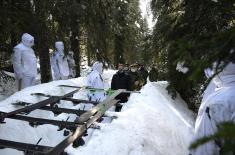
x=78 y=142
x=118 y=107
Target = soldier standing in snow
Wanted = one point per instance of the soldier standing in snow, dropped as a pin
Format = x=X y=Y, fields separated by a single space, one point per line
x=71 y=63
x=59 y=62
x=25 y=62
x=217 y=108
x=121 y=80
x=95 y=80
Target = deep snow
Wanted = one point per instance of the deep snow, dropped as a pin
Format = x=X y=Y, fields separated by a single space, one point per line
x=150 y=123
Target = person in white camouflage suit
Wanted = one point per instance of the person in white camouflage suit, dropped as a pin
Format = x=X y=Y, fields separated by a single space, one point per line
x=218 y=107
x=95 y=80
x=59 y=62
x=25 y=62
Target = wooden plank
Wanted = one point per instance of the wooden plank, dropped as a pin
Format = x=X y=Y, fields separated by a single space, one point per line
x=78 y=101
x=63 y=110
x=53 y=109
x=97 y=89
x=89 y=113
x=37 y=149
x=80 y=130
x=41 y=121
x=75 y=101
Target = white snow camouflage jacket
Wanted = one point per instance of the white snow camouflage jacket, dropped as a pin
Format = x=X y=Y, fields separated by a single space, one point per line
x=24 y=59
x=94 y=80
x=219 y=107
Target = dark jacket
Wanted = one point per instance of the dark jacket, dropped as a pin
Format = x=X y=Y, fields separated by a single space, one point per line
x=121 y=80
x=143 y=74
x=127 y=72
x=136 y=77
x=153 y=75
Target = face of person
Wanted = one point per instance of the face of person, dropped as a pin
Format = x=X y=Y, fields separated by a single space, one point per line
x=31 y=43
x=120 y=67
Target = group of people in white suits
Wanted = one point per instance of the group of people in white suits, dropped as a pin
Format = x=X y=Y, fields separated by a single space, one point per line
x=25 y=62
x=62 y=67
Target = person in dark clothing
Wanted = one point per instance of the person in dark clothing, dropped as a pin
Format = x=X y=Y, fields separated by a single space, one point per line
x=143 y=73
x=153 y=74
x=136 y=80
x=121 y=80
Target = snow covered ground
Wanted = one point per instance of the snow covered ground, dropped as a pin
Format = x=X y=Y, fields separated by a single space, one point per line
x=150 y=123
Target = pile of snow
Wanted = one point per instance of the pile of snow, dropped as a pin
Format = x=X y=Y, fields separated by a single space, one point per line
x=150 y=123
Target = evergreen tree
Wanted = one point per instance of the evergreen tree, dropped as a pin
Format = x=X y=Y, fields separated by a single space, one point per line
x=197 y=33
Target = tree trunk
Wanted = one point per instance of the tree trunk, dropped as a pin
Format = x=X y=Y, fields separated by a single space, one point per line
x=118 y=50
x=44 y=57
x=75 y=44
x=89 y=49
x=42 y=41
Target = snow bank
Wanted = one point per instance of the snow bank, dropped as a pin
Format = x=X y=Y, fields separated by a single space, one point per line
x=151 y=123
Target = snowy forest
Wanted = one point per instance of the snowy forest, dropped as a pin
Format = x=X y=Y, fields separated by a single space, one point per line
x=186 y=37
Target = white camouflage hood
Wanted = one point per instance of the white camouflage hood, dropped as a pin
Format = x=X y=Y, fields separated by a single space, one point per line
x=27 y=40
x=98 y=66
x=59 y=45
